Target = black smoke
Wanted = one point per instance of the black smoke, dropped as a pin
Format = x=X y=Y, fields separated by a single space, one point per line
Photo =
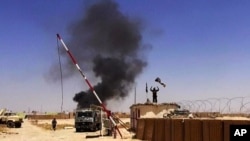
x=109 y=43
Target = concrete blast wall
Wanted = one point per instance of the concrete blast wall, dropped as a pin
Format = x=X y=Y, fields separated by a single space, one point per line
x=185 y=130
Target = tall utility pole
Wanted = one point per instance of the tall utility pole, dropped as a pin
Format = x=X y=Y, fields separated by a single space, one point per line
x=135 y=95
x=146 y=91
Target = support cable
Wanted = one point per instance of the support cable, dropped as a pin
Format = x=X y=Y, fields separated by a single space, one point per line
x=61 y=76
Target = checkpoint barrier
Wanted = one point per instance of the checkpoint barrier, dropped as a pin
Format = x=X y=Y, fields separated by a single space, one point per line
x=185 y=129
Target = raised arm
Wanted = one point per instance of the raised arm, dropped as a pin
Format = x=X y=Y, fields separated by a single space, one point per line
x=157 y=88
x=151 y=89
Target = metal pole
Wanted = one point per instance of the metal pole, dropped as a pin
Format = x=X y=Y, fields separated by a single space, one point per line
x=90 y=86
x=101 y=124
x=135 y=95
x=146 y=92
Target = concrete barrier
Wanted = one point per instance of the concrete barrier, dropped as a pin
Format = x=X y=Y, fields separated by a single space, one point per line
x=194 y=131
x=159 y=130
x=149 y=129
x=140 y=128
x=177 y=130
x=185 y=130
x=167 y=132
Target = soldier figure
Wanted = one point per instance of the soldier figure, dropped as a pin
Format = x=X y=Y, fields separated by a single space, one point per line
x=54 y=122
x=154 y=91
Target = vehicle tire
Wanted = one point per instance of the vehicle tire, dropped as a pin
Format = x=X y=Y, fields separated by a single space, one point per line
x=93 y=129
x=18 y=125
x=109 y=132
x=10 y=124
x=77 y=129
x=99 y=127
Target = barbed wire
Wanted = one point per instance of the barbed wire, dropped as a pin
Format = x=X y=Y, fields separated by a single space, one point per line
x=240 y=104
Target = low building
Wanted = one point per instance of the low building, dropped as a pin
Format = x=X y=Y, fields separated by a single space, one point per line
x=149 y=110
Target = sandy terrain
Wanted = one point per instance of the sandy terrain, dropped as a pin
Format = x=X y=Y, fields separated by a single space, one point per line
x=30 y=132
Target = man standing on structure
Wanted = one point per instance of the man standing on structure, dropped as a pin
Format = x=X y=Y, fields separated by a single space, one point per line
x=154 y=91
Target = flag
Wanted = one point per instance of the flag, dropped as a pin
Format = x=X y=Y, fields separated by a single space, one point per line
x=146 y=88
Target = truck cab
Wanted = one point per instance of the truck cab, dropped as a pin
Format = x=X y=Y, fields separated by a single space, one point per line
x=10 y=119
x=87 y=119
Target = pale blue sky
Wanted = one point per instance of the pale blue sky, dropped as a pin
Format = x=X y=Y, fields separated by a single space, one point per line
x=200 y=49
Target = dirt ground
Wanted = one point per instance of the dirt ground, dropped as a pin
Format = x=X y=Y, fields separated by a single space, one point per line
x=31 y=132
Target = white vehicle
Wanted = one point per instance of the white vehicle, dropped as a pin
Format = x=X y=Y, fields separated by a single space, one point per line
x=12 y=120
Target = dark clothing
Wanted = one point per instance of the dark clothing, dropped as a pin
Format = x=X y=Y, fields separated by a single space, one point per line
x=54 y=122
x=154 y=91
x=154 y=98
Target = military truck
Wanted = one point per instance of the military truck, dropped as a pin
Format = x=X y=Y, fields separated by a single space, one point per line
x=87 y=119
x=12 y=120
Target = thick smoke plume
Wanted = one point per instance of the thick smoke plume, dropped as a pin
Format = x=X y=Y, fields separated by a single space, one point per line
x=109 y=43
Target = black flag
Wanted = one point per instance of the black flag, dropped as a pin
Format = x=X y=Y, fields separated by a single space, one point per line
x=159 y=81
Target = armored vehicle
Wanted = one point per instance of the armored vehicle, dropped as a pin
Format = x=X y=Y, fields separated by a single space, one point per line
x=176 y=113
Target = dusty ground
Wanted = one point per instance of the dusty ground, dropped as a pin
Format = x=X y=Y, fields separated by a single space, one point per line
x=3 y=129
x=31 y=132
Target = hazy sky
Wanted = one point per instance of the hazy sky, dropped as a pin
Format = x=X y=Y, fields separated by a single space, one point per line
x=200 y=49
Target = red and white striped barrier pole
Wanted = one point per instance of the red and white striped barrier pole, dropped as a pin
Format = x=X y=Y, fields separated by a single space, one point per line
x=87 y=81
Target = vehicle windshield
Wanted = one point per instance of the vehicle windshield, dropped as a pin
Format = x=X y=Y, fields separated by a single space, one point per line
x=84 y=114
x=10 y=114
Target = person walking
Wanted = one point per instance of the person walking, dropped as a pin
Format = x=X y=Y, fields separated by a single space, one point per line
x=54 y=122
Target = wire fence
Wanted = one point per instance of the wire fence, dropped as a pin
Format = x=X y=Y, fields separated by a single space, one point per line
x=221 y=105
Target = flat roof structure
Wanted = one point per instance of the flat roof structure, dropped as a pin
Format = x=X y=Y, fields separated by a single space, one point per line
x=149 y=110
